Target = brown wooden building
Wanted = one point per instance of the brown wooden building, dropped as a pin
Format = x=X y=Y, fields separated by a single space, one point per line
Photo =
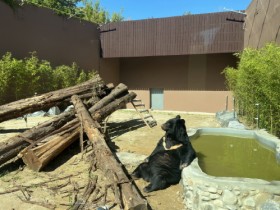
x=174 y=63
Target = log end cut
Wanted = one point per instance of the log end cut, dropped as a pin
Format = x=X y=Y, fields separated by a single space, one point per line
x=30 y=159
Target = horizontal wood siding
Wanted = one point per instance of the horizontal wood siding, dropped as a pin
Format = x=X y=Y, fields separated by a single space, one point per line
x=182 y=35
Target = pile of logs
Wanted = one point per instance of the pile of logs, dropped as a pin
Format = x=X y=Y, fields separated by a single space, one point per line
x=93 y=101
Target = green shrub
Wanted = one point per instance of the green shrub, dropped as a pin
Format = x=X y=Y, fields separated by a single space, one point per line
x=257 y=81
x=11 y=77
x=65 y=76
x=21 y=78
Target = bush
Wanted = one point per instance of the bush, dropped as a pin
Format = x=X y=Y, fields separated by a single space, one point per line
x=21 y=78
x=11 y=77
x=256 y=86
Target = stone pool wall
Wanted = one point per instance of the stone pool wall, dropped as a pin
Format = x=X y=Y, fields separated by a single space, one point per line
x=203 y=192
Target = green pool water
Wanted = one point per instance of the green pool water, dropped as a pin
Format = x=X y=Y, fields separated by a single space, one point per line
x=229 y=156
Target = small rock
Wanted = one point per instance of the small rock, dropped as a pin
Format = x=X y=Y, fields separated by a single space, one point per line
x=54 y=111
x=270 y=205
x=249 y=202
x=212 y=190
x=229 y=198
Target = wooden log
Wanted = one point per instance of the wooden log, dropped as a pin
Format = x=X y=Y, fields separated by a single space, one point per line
x=14 y=145
x=100 y=114
x=38 y=157
x=100 y=93
x=10 y=148
x=45 y=101
x=106 y=160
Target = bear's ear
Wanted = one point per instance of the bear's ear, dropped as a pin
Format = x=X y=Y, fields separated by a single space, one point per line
x=183 y=121
x=178 y=117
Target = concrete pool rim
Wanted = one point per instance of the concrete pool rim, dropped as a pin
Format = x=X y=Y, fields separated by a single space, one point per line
x=205 y=192
x=262 y=136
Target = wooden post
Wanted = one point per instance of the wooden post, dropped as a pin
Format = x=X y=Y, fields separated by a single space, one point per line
x=106 y=160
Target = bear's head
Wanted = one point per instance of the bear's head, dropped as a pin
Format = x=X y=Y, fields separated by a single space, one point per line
x=176 y=132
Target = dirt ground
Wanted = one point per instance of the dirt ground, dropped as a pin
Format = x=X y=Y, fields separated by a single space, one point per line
x=64 y=180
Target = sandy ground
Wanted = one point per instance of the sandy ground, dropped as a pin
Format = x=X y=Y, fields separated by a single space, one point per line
x=62 y=181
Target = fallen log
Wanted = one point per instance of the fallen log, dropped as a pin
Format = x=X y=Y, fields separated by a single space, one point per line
x=106 y=160
x=38 y=157
x=10 y=148
x=14 y=145
x=45 y=101
x=100 y=92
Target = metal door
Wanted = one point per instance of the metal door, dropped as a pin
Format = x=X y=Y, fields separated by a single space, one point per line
x=156 y=98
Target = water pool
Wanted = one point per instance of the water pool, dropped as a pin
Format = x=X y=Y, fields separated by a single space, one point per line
x=231 y=156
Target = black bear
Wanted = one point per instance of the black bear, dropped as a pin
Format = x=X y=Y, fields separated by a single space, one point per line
x=172 y=153
x=175 y=133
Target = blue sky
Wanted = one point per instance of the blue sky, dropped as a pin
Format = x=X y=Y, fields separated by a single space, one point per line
x=143 y=9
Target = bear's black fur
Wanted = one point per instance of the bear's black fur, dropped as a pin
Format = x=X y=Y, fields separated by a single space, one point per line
x=175 y=133
x=172 y=153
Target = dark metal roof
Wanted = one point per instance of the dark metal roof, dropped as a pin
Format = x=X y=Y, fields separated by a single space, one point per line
x=190 y=34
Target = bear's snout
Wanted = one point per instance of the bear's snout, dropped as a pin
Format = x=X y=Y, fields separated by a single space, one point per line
x=165 y=127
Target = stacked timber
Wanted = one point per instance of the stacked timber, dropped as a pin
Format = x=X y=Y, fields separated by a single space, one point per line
x=39 y=145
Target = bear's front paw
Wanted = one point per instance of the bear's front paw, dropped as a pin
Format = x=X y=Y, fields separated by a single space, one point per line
x=182 y=166
x=135 y=175
x=147 y=189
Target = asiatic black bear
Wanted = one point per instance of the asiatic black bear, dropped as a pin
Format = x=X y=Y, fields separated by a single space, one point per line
x=172 y=153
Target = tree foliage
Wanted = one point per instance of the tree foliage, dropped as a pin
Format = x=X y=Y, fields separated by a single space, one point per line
x=116 y=17
x=256 y=86
x=21 y=78
x=89 y=10
x=65 y=6
x=94 y=13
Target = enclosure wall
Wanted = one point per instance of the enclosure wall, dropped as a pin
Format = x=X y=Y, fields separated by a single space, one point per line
x=262 y=23
x=58 y=39
x=188 y=83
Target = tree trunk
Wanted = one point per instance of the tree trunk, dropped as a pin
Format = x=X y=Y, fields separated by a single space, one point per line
x=38 y=157
x=106 y=160
x=44 y=101
x=14 y=145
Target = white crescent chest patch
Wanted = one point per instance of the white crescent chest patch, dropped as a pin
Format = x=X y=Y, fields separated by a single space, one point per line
x=171 y=148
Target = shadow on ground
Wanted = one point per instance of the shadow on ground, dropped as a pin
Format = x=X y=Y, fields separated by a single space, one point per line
x=11 y=166
x=116 y=129
x=63 y=157
x=14 y=130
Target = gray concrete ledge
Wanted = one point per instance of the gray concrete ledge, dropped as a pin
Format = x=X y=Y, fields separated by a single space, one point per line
x=202 y=191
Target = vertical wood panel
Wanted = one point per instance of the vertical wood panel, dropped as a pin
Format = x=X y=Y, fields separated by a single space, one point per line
x=182 y=35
